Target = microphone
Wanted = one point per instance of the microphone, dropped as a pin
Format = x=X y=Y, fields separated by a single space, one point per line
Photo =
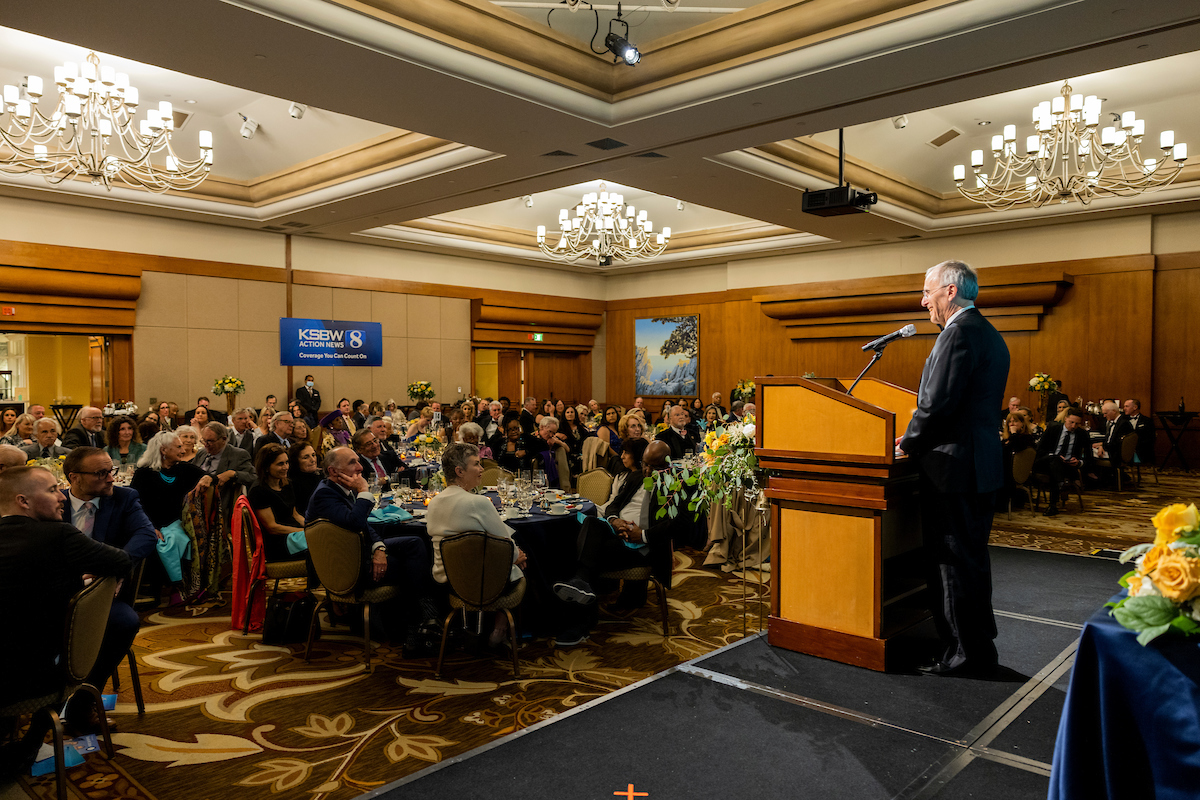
x=884 y=341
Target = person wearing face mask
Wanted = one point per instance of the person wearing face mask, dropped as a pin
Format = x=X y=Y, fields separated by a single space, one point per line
x=309 y=398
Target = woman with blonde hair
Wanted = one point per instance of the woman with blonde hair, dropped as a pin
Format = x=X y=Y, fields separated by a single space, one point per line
x=188 y=437
x=21 y=432
x=422 y=424
x=264 y=423
x=631 y=427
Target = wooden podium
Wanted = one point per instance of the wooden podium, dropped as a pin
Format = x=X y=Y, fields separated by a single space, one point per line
x=846 y=550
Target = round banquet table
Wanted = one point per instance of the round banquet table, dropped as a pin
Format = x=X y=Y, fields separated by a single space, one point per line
x=550 y=545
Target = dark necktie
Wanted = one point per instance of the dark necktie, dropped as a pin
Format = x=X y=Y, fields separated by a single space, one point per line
x=45 y=452
x=1064 y=446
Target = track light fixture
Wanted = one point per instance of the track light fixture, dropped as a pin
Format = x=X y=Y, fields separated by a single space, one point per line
x=249 y=126
x=619 y=45
x=296 y=110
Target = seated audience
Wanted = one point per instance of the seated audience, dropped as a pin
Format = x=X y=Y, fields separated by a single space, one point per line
x=513 y=454
x=630 y=534
x=458 y=509
x=609 y=429
x=270 y=402
x=42 y=563
x=274 y=502
x=343 y=498
x=209 y=414
x=679 y=438
x=1116 y=428
x=229 y=467
x=374 y=409
x=631 y=470
x=696 y=409
x=423 y=424
x=113 y=515
x=545 y=410
x=45 y=434
x=736 y=412
x=471 y=434
x=163 y=481
x=166 y=416
x=124 y=442
x=1143 y=426
x=199 y=417
x=711 y=420
x=382 y=428
x=664 y=417
x=1016 y=436
x=543 y=452
x=1014 y=404
x=358 y=414
x=456 y=421
x=716 y=401
x=147 y=429
x=331 y=433
x=263 y=427
x=1061 y=412
x=89 y=431
x=560 y=408
x=242 y=432
x=282 y=425
x=492 y=421
x=189 y=437
x=304 y=473
x=11 y=457
x=347 y=412
x=375 y=464
x=1061 y=453
x=572 y=431
x=300 y=431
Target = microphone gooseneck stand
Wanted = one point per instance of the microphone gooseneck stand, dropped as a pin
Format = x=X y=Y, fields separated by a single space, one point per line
x=878 y=355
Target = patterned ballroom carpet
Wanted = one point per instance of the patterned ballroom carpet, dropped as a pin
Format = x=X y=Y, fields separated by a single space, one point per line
x=227 y=716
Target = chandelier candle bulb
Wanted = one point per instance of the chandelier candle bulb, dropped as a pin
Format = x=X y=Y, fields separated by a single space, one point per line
x=661 y=239
x=563 y=215
x=205 y=139
x=960 y=173
x=39 y=153
x=1166 y=140
x=1010 y=133
x=1179 y=153
x=71 y=106
x=164 y=110
x=23 y=110
x=1139 y=128
x=541 y=233
x=171 y=167
x=105 y=128
x=666 y=232
x=11 y=95
x=1150 y=164
x=1032 y=144
x=131 y=97
x=629 y=212
x=1077 y=102
x=1091 y=117
x=997 y=143
x=121 y=81
x=1108 y=136
x=1057 y=105
x=976 y=158
x=108 y=76
x=33 y=86
x=1127 y=119
x=60 y=77
x=71 y=69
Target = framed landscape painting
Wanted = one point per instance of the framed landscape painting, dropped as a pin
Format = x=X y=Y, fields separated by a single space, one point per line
x=667 y=356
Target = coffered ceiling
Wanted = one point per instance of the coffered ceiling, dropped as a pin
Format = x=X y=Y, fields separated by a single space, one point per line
x=429 y=121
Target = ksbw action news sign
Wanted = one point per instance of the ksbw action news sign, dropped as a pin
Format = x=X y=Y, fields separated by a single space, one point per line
x=329 y=342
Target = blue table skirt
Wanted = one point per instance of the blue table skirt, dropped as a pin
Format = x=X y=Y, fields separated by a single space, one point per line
x=1130 y=728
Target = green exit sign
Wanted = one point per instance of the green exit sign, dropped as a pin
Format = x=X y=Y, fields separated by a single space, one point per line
x=537 y=337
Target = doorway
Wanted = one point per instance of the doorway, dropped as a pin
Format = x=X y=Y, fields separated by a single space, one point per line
x=55 y=369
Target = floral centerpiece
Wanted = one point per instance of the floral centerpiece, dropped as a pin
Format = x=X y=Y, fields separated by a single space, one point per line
x=54 y=464
x=428 y=444
x=121 y=407
x=725 y=470
x=420 y=390
x=744 y=391
x=1164 y=586
x=1043 y=384
x=231 y=387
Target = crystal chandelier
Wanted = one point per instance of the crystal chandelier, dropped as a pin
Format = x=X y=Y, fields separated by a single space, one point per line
x=1071 y=156
x=92 y=132
x=604 y=228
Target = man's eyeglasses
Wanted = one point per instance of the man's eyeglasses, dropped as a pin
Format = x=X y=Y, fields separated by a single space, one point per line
x=101 y=473
x=925 y=293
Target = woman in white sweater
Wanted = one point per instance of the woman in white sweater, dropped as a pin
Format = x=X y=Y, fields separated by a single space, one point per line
x=458 y=509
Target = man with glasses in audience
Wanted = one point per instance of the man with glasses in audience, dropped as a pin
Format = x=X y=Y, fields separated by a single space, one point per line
x=382 y=428
x=89 y=432
x=282 y=426
x=113 y=515
x=241 y=432
x=45 y=434
x=375 y=464
x=229 y=466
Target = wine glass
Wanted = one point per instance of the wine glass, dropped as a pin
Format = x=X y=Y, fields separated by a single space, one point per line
x=403 y=489
x=539 y=480
x=376 y=488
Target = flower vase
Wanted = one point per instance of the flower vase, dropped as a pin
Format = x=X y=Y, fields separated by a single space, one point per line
x=230 y=402
x=1044 y=407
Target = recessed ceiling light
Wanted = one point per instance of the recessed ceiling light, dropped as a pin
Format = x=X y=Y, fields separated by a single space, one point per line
x=190 y=102
x=983 y=123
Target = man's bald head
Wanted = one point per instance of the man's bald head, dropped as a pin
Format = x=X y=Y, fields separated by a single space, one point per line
x=657 y=455
x=337 y=458
x=11 y=457
x=29 y=492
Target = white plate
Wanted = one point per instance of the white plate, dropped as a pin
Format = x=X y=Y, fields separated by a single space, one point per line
x=558 y=514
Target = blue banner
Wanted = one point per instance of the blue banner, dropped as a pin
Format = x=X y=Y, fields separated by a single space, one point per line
x=323 y=342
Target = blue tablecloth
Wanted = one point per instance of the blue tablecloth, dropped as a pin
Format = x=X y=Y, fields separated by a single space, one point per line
x=1130 y=728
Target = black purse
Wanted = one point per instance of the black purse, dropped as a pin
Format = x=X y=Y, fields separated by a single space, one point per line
x=287 y=621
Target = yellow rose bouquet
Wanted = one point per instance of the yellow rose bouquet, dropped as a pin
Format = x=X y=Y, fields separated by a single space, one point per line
x=744 y=391
x=1164 y=586
x=420 y=390
x=726 y=469
x=1041 y=382
x=229 y=385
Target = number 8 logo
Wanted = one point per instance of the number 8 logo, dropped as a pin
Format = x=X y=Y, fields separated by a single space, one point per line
x=356 y=338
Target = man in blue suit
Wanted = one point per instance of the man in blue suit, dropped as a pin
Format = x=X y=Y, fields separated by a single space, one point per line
x=952 y=436
x=343 y=499
x=112 y=515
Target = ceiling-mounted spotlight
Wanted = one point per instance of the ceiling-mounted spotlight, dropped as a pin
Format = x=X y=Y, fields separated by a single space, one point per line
x=527 y=200
x=296 y=110
x=679 y=206
x=900 y=122
x=619 y=45
x=249 y=126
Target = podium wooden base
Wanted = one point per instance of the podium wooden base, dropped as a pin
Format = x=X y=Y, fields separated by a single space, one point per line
x=880 y=655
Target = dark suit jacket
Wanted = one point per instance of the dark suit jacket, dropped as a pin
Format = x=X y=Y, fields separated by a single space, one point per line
x=1049 y=442
x=680 y=445
x=330 y=502
x=953 y=430
x=242 y=441
x=35 y=450
x=79 y=437
x=1143 y=426
x=390 y=461
x=41 y=564
x=263 y=441
x=121 y=522
x=528 y=422
x=238 y=460
x=1114 y=432
x=309 y=400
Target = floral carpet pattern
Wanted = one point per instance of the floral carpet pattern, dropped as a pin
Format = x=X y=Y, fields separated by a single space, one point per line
x=262 y=723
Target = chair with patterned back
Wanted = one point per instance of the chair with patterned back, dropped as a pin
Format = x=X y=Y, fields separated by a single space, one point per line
x=336 y=554
x=595 y=485
x=87 y=619
x=1022 y=468
x=491 y=475
x=477 y=573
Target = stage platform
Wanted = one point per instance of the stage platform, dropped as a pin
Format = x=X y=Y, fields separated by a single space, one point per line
x=754 y=719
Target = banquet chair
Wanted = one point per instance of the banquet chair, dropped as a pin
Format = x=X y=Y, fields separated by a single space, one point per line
x=1128 y=451
x=87 y=619
x=487 y=463
x=595 y=453
x=491 y=475
x=1022 y=468
x=336 y=554
x=595 y=485
x=477 y=568
x=564 y=469
x=295 y=568
x=134 y=679
x=643 y=574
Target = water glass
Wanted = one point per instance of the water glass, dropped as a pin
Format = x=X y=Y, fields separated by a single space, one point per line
x=403 y=489
x=539 y=480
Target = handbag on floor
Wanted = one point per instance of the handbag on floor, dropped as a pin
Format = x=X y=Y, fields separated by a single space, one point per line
x=287 y=621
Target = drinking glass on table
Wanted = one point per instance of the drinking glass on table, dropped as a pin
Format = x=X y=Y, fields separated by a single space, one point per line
x=376 y=488
x=403 y=488
x=539 y=480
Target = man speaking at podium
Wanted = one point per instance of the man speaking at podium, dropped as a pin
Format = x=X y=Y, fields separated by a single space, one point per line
x=952 y=436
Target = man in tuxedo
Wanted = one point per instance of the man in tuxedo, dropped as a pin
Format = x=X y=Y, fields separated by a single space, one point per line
x=736 y=412
x=631 y=534
x=45 y=434
x=375 y=463
x=382 y=428
x=1116 y=427
x=1060 y=453
x=282 y=426
x=492 y=421
x=309 y=398
x=1013 y=407
x=112 y=515
x=679 y=438
x=229 y=466
x=241 y=429
x=89 y=431
x=529 y=415
x=1143 y=426
x=43 y=561
x=952 y=435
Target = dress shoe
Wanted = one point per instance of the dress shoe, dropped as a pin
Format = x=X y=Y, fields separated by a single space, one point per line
x=941 y=669
x=1050 y=512
x=575 y=590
